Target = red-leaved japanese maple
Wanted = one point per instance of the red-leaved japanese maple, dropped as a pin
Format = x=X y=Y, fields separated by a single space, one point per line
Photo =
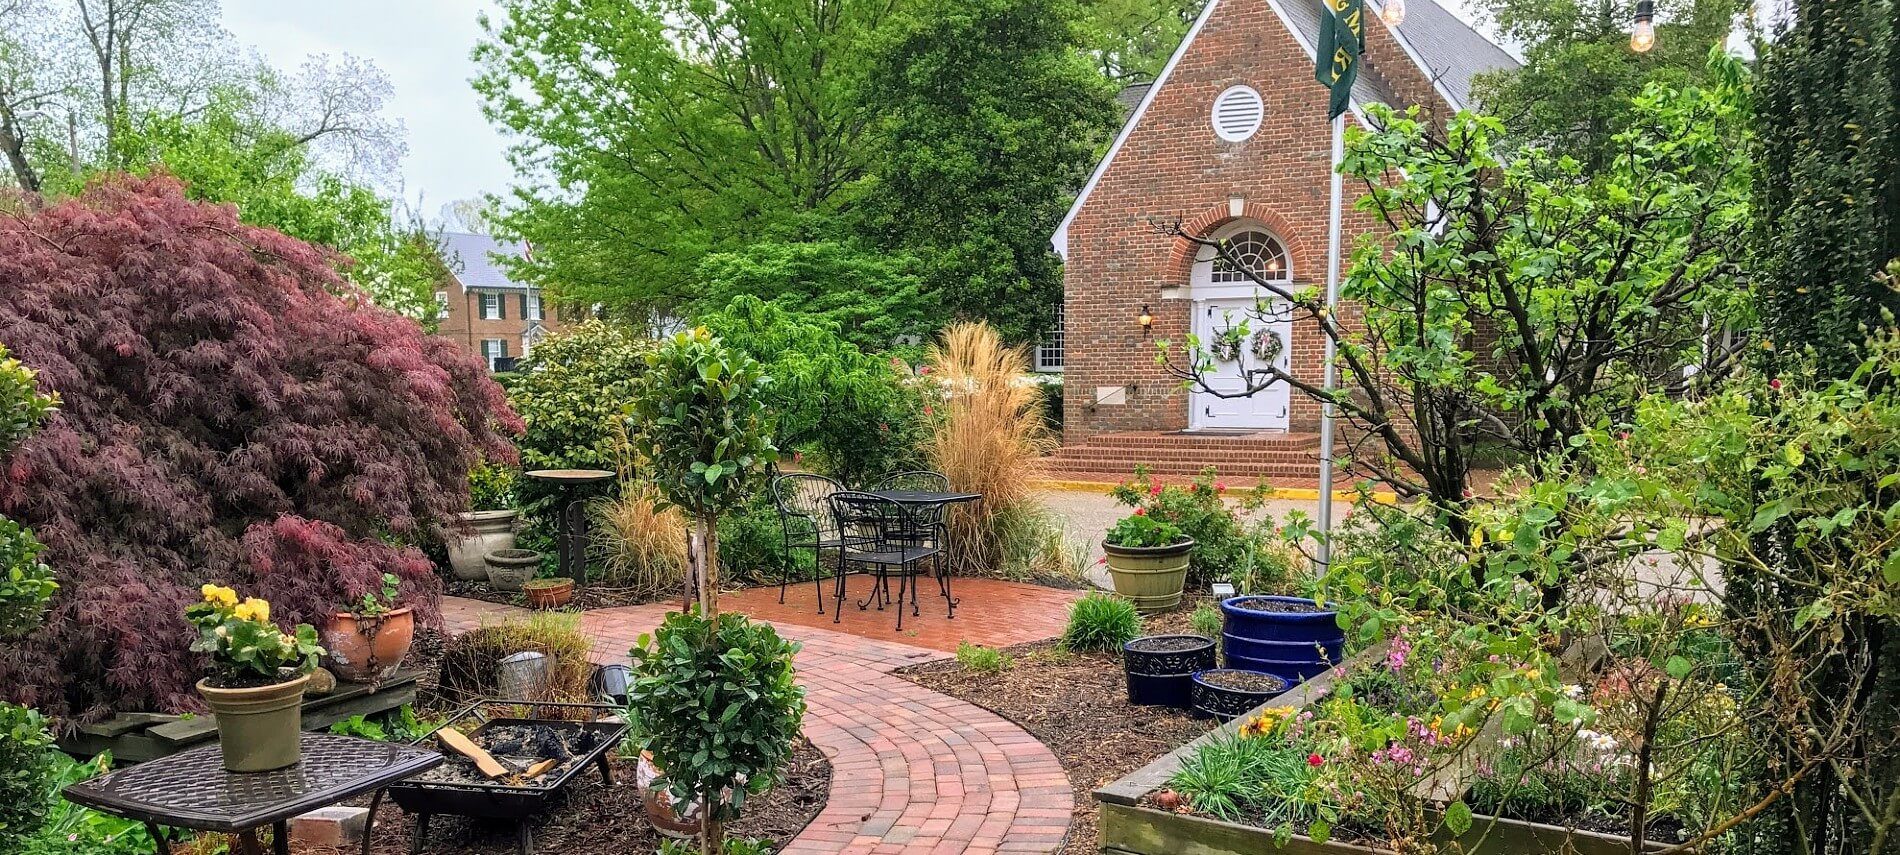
x=234 y=412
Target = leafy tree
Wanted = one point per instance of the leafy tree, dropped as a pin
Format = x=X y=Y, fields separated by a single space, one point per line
x=990 y=122
x=25 y=584
x=1130 y=40
x=1572 y=95
x=701 y=425
x=870 y=298
x=1827 y=204
x=854 y=411
x=714 y=699
x=1506 y=307
x=240 y=416
x=668 y=129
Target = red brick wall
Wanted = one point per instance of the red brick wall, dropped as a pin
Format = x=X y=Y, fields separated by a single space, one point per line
x=1171 y=167
x=466 y=326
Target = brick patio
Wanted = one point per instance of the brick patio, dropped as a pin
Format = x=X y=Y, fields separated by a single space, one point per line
x=913 y=771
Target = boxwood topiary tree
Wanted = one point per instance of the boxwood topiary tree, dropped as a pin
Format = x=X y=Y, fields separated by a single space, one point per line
x=714 y=700
x=700 y=413
x=233 y=412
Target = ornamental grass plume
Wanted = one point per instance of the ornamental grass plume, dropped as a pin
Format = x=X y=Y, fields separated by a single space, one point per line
x=989 y=437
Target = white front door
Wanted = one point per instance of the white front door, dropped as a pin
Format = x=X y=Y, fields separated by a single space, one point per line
x=1265 y=409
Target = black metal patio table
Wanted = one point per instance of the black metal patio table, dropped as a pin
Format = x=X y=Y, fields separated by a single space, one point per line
x=927 y=524
x=924 y=497
x=192 y=790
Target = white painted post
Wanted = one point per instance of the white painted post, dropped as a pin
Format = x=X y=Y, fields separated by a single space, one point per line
x=1325 y=551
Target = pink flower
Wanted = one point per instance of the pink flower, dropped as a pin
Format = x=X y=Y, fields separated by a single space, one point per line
x=928 y=410
x=1155 y=490
x=1315 y=760
x=1220 y=486
x=1775 y=384
x=1141 y=512
x=925 y=369
x=1624 y=436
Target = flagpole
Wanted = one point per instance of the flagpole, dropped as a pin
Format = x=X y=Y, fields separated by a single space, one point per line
x=1325 y=550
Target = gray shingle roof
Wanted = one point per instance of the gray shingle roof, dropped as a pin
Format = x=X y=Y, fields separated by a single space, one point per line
x=472 y=259
x=1452 y=52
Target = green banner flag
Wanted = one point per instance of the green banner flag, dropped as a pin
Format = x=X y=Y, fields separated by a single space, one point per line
x=1342 y=39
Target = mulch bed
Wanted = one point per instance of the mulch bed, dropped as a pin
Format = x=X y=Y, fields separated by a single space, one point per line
x=590 y=819
x=1077 y=704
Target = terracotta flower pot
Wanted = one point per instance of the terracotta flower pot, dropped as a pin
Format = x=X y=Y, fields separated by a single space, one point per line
x=1149 y=576
x=480 y=533
x=509 y=569
x=675 y=819
x=549 y=593
x=260 y=728
x=367 y=649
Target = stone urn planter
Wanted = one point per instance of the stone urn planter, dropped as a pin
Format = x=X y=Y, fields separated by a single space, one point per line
x=1149 y=576
x=549 y=593
x=367 y=648
x=480 y=533
x=510 y=569
x=260 y=728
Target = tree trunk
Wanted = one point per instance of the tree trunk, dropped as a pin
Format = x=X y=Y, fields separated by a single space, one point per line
x=712 y=834
x=707 y=569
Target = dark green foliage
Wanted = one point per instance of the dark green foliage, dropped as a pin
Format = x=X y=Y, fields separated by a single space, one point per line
x=25 y=586
x=1101 y=622
x=1573 y=93
x=868 y=297
x=1827 y=197
x=715 y=701
x=852 y=411
x=25 y=767
x=73 y=830
x=990 y=121
x=1138 y=530
x=752 y=546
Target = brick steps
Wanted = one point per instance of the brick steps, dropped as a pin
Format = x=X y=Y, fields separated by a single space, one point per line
x=1257 y=455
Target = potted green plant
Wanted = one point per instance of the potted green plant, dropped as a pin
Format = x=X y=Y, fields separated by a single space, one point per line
x=1147 y=560
x=366 y=643
x=257 y=678
x=549 y=592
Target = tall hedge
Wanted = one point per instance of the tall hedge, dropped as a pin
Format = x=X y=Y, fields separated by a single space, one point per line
x=233 y=412
x=1827 y=206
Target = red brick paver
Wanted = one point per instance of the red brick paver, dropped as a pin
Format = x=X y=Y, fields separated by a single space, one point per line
x=990 y=612
x=913 y=771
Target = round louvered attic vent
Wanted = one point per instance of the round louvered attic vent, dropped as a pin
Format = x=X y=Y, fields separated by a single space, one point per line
x=1237 y=113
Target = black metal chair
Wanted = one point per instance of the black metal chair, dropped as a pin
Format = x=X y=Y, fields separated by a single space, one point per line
x=881 y=535
x=933 y=530
x=805 y=514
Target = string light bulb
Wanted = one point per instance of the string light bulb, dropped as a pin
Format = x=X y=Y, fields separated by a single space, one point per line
x=1392 y=12
x=1644 y=36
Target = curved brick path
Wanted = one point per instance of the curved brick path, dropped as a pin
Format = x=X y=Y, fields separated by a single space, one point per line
x=913 y=771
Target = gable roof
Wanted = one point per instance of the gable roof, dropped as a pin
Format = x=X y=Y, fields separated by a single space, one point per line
x=1446 y=50
x=472 y=259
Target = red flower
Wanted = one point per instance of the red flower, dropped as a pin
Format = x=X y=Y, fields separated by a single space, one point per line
x=1775 y=384
x=1220 y=486
x=1315 y=760
x=1141 y=512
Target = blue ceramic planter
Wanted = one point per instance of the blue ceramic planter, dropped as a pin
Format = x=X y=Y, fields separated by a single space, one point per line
x=1292 y=645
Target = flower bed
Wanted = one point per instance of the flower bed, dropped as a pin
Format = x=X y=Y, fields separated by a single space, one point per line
x=1382 y=749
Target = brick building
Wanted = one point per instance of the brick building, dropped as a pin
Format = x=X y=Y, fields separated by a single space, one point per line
x=493 y=316
x=1232 y=140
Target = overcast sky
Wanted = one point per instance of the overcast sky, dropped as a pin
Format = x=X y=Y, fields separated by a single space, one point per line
x=423 y=46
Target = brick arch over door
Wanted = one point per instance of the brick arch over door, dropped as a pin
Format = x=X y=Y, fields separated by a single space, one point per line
x=1182 y=251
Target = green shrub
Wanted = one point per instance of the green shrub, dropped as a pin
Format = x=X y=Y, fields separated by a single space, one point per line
x=491 y=487
x=855 y=413
x=1207 y=620
x=1140 y=531
x=1101 y=621
x=715 y=701
x=752 y=546
x=1223 y=544
x=26 y=766
x=978 y=659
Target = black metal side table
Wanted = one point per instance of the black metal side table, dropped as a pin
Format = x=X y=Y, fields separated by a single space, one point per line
x=192 y=790
x=571 y=542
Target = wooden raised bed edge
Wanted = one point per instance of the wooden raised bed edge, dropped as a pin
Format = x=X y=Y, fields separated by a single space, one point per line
x=1129 y=828
x=137 y=737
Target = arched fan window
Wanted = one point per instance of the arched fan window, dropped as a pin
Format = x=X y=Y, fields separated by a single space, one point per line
x=1257 y=252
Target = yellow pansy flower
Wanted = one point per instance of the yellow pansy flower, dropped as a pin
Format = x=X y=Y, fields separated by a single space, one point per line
x=253 y=609
x=219 y=595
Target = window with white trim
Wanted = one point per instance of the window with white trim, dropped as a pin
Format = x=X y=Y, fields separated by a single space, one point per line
x=1049 y=350
x=531 y=307
x=1257 y=252
x=494 y=350
x=441 y=305
x=491 y=307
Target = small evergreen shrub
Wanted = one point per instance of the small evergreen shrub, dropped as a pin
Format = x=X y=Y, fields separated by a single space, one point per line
x=1101 y=622
x=715 y=701
x=978 y=659
x=1208 y=621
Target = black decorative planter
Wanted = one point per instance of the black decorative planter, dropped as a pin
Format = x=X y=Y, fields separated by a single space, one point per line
x=1223 y=702
x=1161 y=668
